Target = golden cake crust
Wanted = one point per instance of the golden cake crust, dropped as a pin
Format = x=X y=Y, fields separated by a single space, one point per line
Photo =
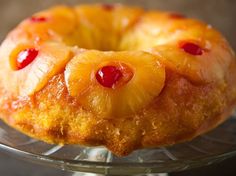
x=190 y=96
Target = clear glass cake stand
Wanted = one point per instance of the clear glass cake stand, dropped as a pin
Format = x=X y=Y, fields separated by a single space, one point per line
x=215 y=146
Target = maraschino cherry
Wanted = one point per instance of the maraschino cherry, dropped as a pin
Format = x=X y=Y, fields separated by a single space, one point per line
x=108 y=7
x=38 y=19
x=108 y=76
x=191 y=48
x=25 y=57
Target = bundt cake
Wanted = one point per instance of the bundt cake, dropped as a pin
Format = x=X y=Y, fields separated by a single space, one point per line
x=115 y=76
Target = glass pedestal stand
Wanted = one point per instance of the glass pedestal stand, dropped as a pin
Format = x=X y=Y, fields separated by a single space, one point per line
x=212 y=147
x=89 y=174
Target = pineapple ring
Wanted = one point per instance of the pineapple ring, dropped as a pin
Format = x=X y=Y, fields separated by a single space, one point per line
x=163 y=37
x=146 y=83
x=116 y=76
x=25 y=82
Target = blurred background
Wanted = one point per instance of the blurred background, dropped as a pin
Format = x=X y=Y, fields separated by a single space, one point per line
x=220 y=14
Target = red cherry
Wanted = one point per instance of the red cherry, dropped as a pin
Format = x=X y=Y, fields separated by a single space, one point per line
x=108 y=7
x=192 y=48
x=25 y=57
x=107 y=76
x=176 y=16
x=38 y=19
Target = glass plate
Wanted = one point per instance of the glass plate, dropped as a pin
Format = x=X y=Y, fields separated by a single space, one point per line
x=214 y=146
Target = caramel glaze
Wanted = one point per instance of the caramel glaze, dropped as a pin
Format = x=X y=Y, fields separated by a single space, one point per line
x=179 y=113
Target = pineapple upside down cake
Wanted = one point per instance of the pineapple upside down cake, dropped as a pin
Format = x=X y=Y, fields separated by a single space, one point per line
x=115 y=76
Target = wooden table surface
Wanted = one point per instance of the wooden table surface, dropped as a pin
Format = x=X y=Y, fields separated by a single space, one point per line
x=219 y=13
